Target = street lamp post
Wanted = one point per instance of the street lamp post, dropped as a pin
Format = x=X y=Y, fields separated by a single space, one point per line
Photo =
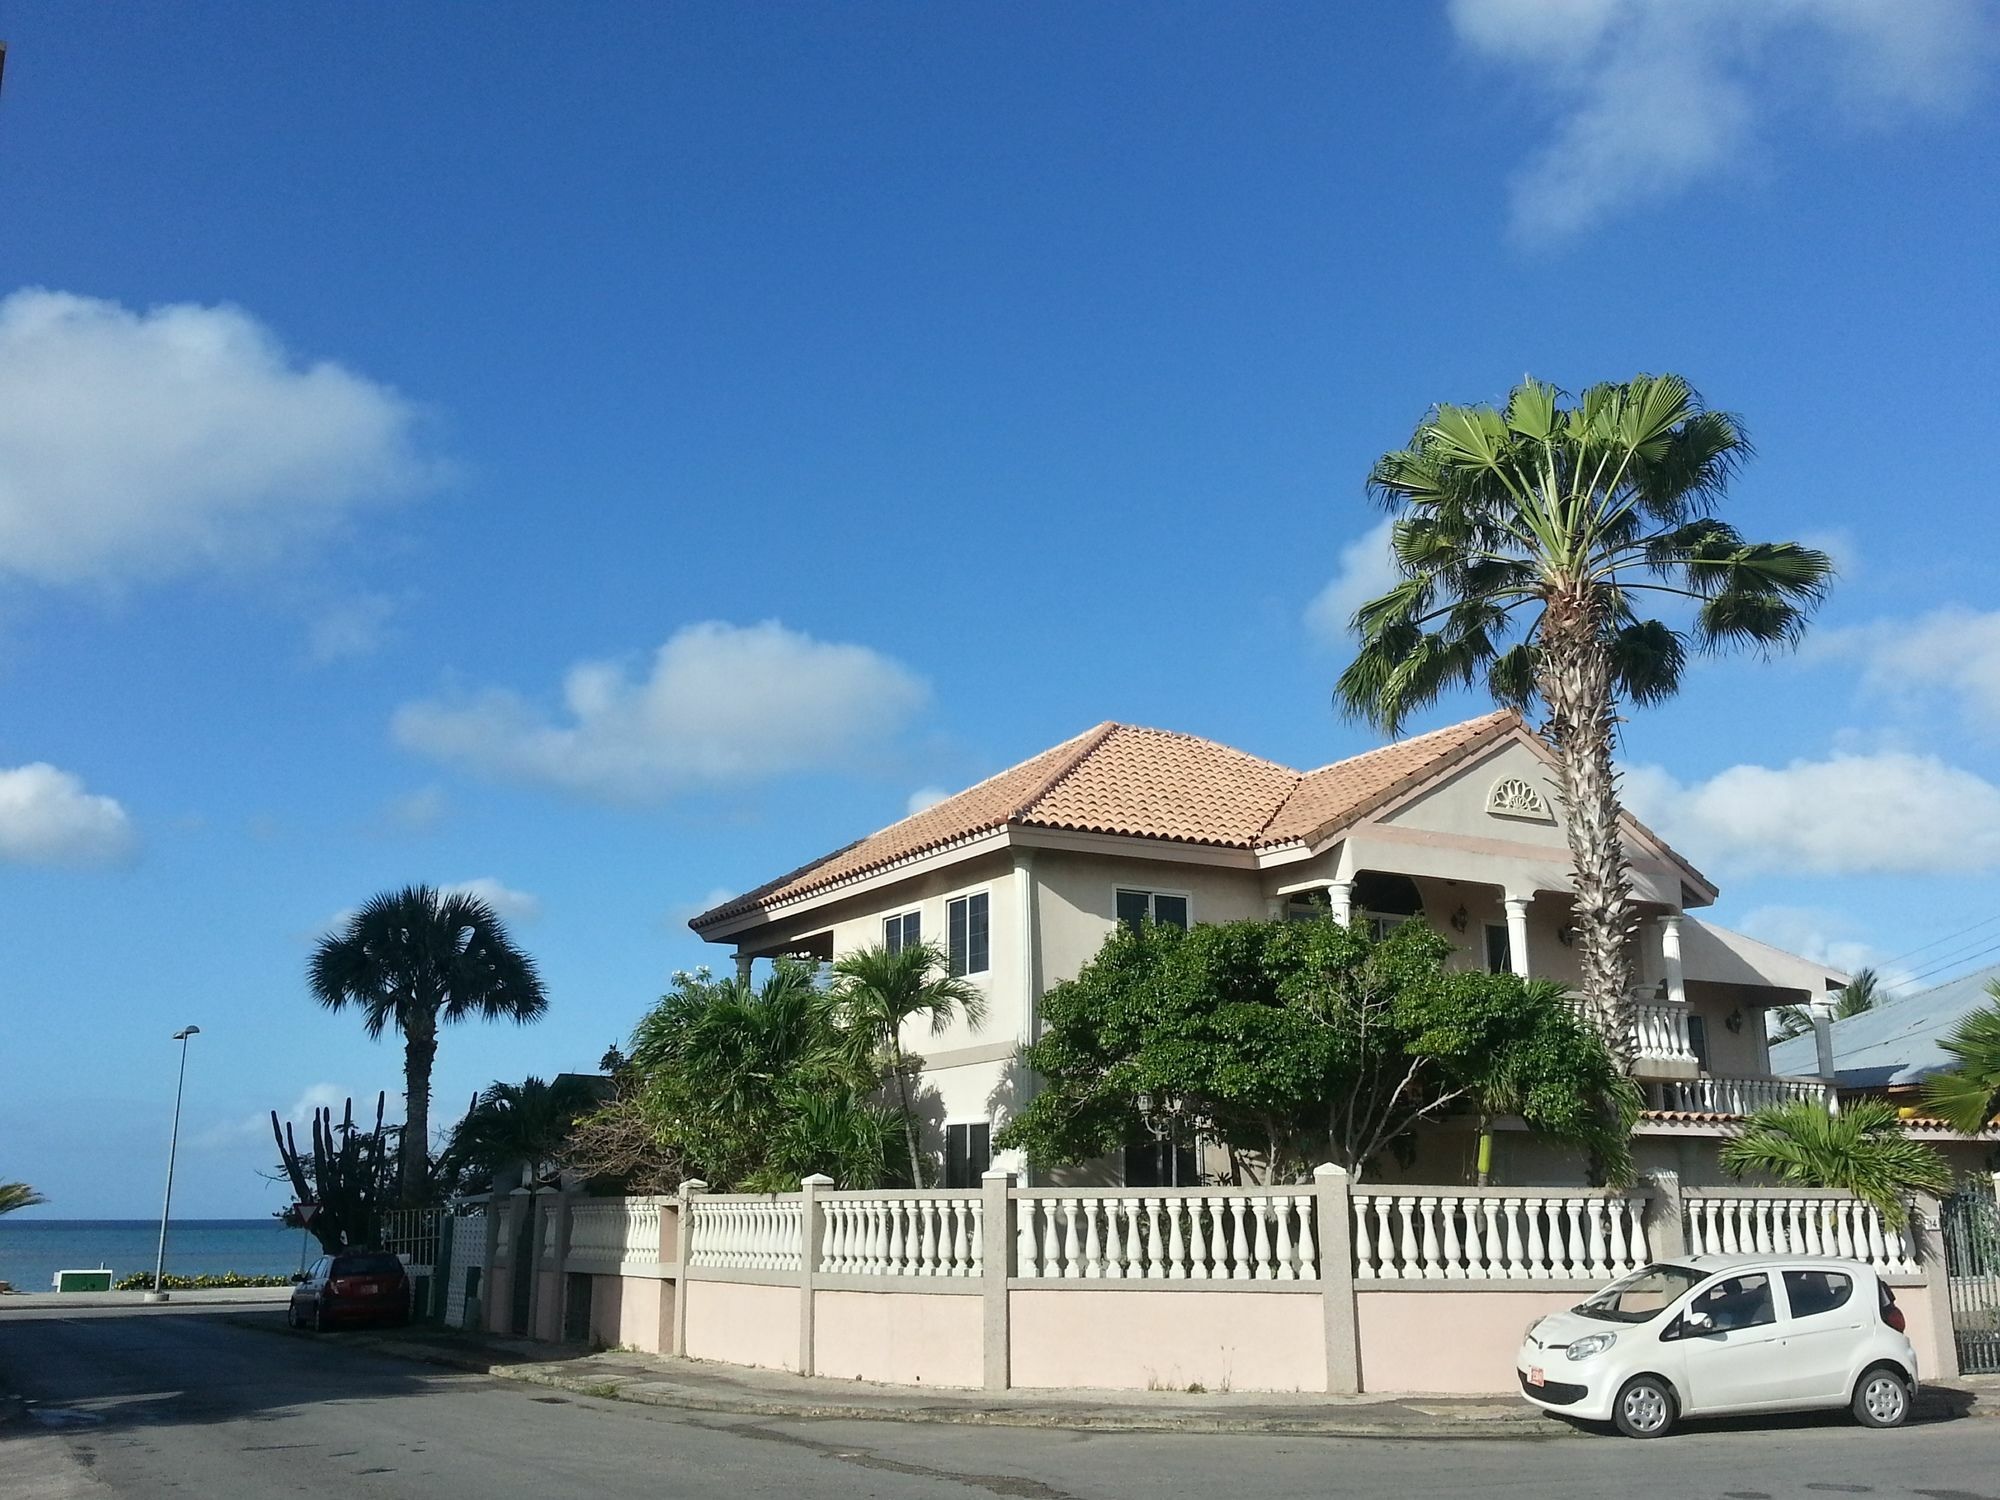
x=159 y=1293
x=1163 y=1120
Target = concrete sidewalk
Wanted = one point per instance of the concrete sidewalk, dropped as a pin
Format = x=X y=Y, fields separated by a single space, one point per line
x=232 y=1296
x=698 y=1386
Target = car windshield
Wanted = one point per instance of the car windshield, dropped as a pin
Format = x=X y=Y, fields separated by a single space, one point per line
x=367 y=1265
x=1642 y=1295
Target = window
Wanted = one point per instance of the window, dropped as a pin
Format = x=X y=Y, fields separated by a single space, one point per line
x=904 y=930
x=1739 y=1302
x=966 y=918
x=1155 y=1164
x=1698 y=1041
x=967 y=1153
x=1135 y=907
x=1499 y=951
x=1812 y=1292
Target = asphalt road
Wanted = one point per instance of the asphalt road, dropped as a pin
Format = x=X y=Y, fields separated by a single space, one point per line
x=178 y=1402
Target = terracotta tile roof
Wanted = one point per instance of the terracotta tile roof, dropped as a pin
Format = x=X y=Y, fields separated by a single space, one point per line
x=1146 y=783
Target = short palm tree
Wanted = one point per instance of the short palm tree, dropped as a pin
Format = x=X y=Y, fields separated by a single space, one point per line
x=881 y=991
x=1528 y=539
x=515 y=1122
x=1968 y=1096
x=414 y=958
x=1862 y=1150
x=15 y=1195
x=1863 y=992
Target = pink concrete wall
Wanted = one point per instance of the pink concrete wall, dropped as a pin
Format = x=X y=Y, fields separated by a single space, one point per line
x=910 y=1338
x=741 y=1323
x=1922 y=1329
x=1460 y=1342
x=548 y=1306
x=633 y=1312
x=1158 y=1340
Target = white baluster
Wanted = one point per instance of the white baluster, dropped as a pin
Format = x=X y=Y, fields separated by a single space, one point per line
x=1433 y=1252
x=1877 y=1253
x=1027 y=1245
x=1307 y=1206
x=1364 y=1238
x=1093 y=1247
x=1260 y=1249
x=1448 y=1210
x=1207 y=1236
x=1537 y=1266
x=1411 y=1264
x=1176 y=1245
x=898 y=1242
x=1727 y=1211
x=961 y=1236
x=1114 y=1239
x=1845 y=1240
x=1156 y=1267
x=1593 y=1213
x=1614 y=1210
x=1239 y=1244
x=1517 y=1254
x=975 y=1260
x=1281 y=1221
x=1492 y=1255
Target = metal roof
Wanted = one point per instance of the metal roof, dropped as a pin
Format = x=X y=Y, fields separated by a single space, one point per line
x=1897 y=1041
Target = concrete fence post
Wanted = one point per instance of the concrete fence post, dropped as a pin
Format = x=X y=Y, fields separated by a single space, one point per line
x=1927 y=1239
x=996 y=1189
x=684 y=1253
x=812 y=1223
x=1333 y=1191
x=1666 y=1217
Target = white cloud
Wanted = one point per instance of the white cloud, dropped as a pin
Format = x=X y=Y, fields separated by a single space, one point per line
x=47 y=818
x=138 y=444
x=418 y=811
x=721 y=704
x=1367 y=568
x=1822 y=936
x=508 y=904
x=1891 y=812
x=353 y=628
x=1651 y=97
x=685 y=912
x=924 y=797
x=257 y=1127
x=1952 y=652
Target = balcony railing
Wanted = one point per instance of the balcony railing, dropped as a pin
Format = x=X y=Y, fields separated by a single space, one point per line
x=1661 y=1035
x=1737 y=1096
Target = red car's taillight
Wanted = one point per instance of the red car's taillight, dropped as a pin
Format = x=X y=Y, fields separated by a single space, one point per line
x=341 y=1286
x=1892 y=1314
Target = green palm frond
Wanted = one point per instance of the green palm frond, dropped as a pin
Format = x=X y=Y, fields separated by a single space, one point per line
x=1967 y=1097
x=1863 y=1150
x=15 y=1195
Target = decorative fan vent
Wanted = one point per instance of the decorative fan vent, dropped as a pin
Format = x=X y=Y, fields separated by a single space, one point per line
x=1513 y=797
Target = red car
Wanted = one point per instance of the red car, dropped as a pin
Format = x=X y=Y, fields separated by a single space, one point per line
x=355 y=1286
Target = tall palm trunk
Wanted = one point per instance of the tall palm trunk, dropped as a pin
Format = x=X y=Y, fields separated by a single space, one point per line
x=419 y=1053
x=1575 y=681
x=909 y=1118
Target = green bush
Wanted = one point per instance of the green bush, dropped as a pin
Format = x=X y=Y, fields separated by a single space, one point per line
x=143 y=1282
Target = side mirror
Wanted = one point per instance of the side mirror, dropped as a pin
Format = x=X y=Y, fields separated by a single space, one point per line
x=298 y=1278
x=1698 y=1322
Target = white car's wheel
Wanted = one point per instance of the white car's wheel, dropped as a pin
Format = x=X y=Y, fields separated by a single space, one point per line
x=1645 y=1407
x=1882 y=1398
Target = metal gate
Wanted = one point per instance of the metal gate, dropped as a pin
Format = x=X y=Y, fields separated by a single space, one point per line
x=1971 y=1224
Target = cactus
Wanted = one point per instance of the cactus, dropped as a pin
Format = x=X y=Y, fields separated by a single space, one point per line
x=347 y=1178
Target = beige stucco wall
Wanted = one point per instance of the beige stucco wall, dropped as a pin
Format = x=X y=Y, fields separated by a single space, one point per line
x=632 y=1312
x=1157 y=1340
x=1460 y=1342
x=742 y=1323
x=900 y=1338
x=1743 y=1053
x=1078 y=899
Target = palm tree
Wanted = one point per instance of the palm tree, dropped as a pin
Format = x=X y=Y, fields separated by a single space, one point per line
x=1968 y=1097
x=1863 y=992
x=515 y=1122
x=411 y=959
x=881 y=991
x=1551 y=521
x=15 y=1195
x=1862 y=1150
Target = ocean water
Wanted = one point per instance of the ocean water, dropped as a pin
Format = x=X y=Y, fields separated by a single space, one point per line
x=33 y=1250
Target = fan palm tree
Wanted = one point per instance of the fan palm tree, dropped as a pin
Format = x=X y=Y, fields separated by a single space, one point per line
x=15 y=1195
x=1863 y=992
x=1968 y=1097
x=516 y=1122
x=414 y=958
x=1862 y=1150
x=881 y=991
x=1528 y=539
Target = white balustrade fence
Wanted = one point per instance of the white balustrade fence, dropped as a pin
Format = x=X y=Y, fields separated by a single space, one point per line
x=616 y=1231
x=744 y=1233
x=927 y=1234
x=1496 y=1236
x=1167 y=1236
x=1804 y=1225
x=1739 y=1096
x=1660 y=1033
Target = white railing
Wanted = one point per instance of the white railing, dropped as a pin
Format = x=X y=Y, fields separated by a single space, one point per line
x=746 y=1233
x=897 y=1234
x=1739 y=1096
x=616 y=1231
x=1660 y=1034
x=1496 y=1236
x=412 y=1233
x=1166 y=1236
x=1803 y=1225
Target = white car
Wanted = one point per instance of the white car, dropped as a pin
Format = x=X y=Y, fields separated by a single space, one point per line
x=1711 y=1334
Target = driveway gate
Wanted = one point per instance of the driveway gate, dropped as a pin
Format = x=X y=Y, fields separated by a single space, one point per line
x=1971 y=1226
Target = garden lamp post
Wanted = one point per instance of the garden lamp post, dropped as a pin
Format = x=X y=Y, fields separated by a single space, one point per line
x=159 y=1293
x=1162 y=1119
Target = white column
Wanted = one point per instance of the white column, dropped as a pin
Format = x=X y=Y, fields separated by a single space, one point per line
x=1340 y=897
x=1821 y=1011
x=743 y=962
x=1517 y=932
x=1670 y=955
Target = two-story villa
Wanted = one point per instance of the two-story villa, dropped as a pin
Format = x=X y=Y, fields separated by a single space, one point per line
x=1022 y=876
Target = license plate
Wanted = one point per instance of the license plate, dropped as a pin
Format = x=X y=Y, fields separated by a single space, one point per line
x=1534 y=1375
x=370 y=1288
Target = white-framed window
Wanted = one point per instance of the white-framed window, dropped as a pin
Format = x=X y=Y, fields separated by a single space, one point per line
x=904 y=930
x=968 y=1151
x=1168 y=908
x=968 y=930
x=1382 y=923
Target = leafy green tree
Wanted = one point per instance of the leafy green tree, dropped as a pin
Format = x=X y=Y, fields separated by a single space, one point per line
x=415 y=958
x=1862 y=1150
x=1968 y=1096
x=15 y=1195
x=1527 y=539
x=509 y=1123
x=881 y=992
x=1863 y=993
x=1303 y=1041
x=753 y=1088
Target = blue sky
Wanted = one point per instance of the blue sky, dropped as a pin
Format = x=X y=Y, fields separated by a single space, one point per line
x=616 y=455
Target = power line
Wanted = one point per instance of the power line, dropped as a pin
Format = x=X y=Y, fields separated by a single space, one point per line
x=1958 y=961
x=1948 y=937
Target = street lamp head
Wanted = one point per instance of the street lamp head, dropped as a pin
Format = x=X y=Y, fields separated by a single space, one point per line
x=1145 y=1103
x=185 y=1032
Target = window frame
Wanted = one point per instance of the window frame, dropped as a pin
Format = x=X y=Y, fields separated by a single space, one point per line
x=1506 y=947
x=968 y=1123
x=899 y=918
x=1152 y=894
x=967 y=895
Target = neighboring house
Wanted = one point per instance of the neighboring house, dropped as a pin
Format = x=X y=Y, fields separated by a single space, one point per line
x=1023 y=876
x=1888 y=1051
